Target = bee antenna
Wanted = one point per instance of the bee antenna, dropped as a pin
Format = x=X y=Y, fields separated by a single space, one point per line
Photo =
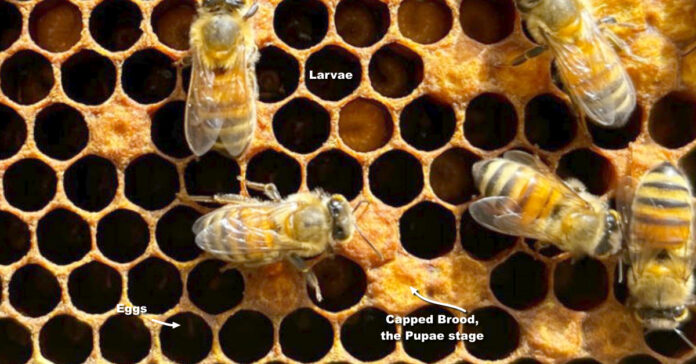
x=683 y=337
x=362 y=235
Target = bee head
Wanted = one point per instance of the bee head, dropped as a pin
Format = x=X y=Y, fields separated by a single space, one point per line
x=527 y=5
x=610 y=241
x=342 y=224
x=664 y=318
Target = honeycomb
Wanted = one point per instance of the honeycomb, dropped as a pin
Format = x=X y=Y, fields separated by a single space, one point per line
x=93 y=157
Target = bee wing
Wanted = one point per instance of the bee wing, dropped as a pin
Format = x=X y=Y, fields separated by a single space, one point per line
x=201 y=131
x=503 y=215
x=624 y=199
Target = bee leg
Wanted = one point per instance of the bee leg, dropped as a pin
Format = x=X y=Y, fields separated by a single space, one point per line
x=689 y=49
x=528 y=54
x=575 y=185
x=621 y=45
x=269 y=189
x=308 y=274
x=217 y=198
x=252 y=10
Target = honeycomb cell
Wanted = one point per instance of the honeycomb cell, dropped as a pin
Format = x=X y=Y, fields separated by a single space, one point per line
x=581 y=285
x=424 y=21
x=501 y=334
x=95 y=287
x=91 y=182
x=29 y=184
x=301 y=125
x=427 y=123
x=365 y=125
x=395 y=71
x=520 y=282
x=481 y=243
x=427 y=230
x=361 y=334
x=332 y=59
x=361 y=23
x=122 y=235
x=549 y=122
x=124 y=339
x=668 y=343
x=156 y=284
x=621 y=288
x=11 y=28
x=487 y=21
x=171 y=21
x=189 y=344
x=639 y=359
x=88 y=77
x=305 y=335
x=148 y=76
x=491 y=121
x=65 y=340
x=15 y=341
x=34 y=291
x=60 y=131
x=246 y=336
x=186 y=77
x=617 y=138
x=526 y=361
x=26 y=77
x=115 y=24
x=583 y=361
x=174 y=235
x=593 y=170
x=13 y=131
x=396 y=191
x=14 y=241
x=674 y=112
x=301 y=23
x=151 y=182
x=430 y=351
x=210 y=174
x=213 y=289
x=335 y=172
x=63 y=236
x=274 y=167
x=342 y=283
x=277 y=74
x=167 y=129
x=450 y=175
x=55 y=25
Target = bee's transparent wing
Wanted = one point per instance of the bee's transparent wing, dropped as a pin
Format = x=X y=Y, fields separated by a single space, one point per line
x=503 y=215
x=200 y=126
x=624 y=199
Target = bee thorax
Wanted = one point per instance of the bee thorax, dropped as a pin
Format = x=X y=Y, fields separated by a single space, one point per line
x=221 y=32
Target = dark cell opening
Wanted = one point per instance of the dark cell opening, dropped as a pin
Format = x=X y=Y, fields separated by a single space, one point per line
x=621 y=289
x=520 y=282
x=362 y=23
x=15 y=342
x=549 y=122
x=95 y=287
x=274 y=167
x=335 y=172
x=301 y=23
x=174 y=235
x=155 y=284
x=673 y=120
x=430 y=351
x=427 y=124
x=60 y=131
x=526 y=361
x=424 y=21
x=342 y=283
x=122 y=235
x=688 y=164
x=191 y=342
x=171 y=21
x=332 y=59
x=91 y=182
x=124 y=339
x=26 y=77
x=55 y=25
x=481 y=243
x=34 y=291
x=428 y=230
x=595 y=171
x=617 y=138
x=13 y=130
x=210 y=174
x=305 y=335
x=11 y=28
x=186 y=77
x=487 y=21
x=213 y=290
x=277 y=73
x=63 y=236
x=151 y=182
x=395 y=71
x=668 y=343
x=88 y=77
x=115 y=24
x=361 y=334
x=450 y=176
x=639 y=359
x=29 y=184
x=14 y=241
x=148 y=76
x=491 y=121
x=301 y=125
x=582 y=285
x=365 y=125
x=246 y=336
x=167 y=130
x=583 y=361
x=501 y=334
x=65 y=340
x=396 y=178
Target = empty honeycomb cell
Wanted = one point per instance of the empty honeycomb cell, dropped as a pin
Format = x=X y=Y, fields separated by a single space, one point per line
x=246 y=336
x=639 y=359
x=617 y=138
x=688 y=164
x=14 y=241
x=65 y=340
x=335 y=172
x=29 y=184
x=91 y=182
x=167 y=129
x=430 y=351
x=583 y=361
x=214 y=289
x=342 y=283
x=450 y=175
x=487 y=21
x=124 y=339
x=88 y=77
x=526 y=361
x=274 y=167
x=593 y=170
x=668 y=343
x=491 y=121
x=365 y=125
x=63 y=236
x=186 y=77
x=361 y=334
x=171 y=21
x=210 y=174
x=277 y=74
x=151 y=182
x=674 y=112
x=156 y=284
x=55 y=25
x=189 y=344
x=26 y=77
x=115 y=24
x=95 y=287
x=34 y=291
x=332 y=60
x=482 y=243
x=148 y=76
x=301 y=125
x=424 y=21
x=501 y=334
x=305 y=335
x=13 y=131
x=621 y=288
x=60 y=131
x=174 y=235
x=396 y=178
x=11 y=28
x=520 y=282
x=122 y=235
x=362 y=23
x=395 y=71
x=581 y=285
x=301 y=23
x=427 y=123
x=549 y=122
x=427 y=230
x=15 y=342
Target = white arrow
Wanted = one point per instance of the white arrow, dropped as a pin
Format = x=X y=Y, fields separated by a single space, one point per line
x=173 y=325
x=417 y=294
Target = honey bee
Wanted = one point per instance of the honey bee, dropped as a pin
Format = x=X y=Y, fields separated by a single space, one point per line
x=588 y=65
x=248 y=232
x=222 y=94
x=523 y=197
